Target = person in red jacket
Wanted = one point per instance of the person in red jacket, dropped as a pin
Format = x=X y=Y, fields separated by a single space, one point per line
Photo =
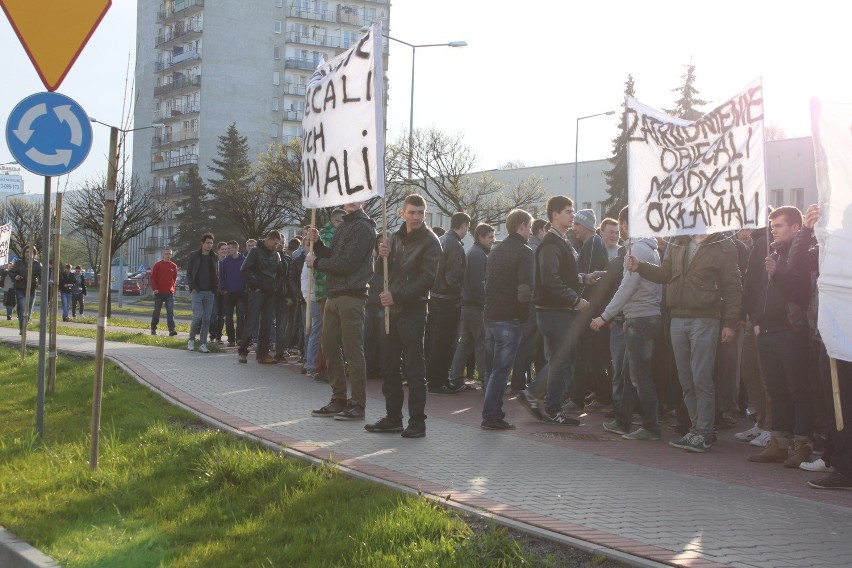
x=163 y=278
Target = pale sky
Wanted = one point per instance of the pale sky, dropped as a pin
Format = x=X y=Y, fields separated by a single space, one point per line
x=529 y=70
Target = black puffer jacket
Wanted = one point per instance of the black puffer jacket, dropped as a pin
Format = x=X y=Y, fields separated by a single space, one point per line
x=508 y=281
x=448 y=282
x=557 y=283
x=263 y=269
x=348 y=262
x=20 y=269
x=413 y=264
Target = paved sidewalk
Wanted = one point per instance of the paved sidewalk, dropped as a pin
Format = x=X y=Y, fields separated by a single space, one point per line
x=642 y=498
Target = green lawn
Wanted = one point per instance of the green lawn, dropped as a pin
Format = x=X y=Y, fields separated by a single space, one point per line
x=141 y=337
x=170 y=491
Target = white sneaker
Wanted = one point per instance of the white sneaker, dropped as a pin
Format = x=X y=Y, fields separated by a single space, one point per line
x=762 y=440
x=190 y=345
x=749 y=434
x=816 y=465
x=203 y=348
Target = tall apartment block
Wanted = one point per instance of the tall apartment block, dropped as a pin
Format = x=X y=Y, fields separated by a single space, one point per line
x=203 y=64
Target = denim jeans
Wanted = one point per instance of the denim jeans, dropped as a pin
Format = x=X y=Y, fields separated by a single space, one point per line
x=65 y=297
x=312 y=342
x=557 y=329
x=169 y=301
x=471 y=340
x=22 y=312
x=616 y=351
x=235 y=314
x=405 y=341
x=639 y=342
x=694 y=343
x=783 y=365
x=202 y=310
x=501 y=346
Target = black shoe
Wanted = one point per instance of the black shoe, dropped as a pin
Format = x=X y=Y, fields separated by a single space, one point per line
x=153 y=332
x=531 y=404
x=385 y=425
x=446 y=389
x=681 y=429
x=560 y=419
x=414 y=430
x=835 y=480
x=280 y=358
x=321 y=378
x=352 y=413
x=172 y=333
x=496 y=424
x=331 y=409
x=230 y=343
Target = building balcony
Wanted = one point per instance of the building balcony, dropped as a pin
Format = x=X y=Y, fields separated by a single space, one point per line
x=287 y=139
x=310 y=14
x=181 y=85
x=294 y=115
x=169 y=188
x=299 y=63
x=169 y=138
x=295 y=89
x=180 y=9
x=188 y=32
x=176 y=113
x=179 y=61
x=157 y=243
x=322 y=40
x=176 y=163
x=349 y=15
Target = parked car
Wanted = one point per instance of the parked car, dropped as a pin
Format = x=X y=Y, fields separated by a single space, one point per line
x=131 y=288
x=181 y=283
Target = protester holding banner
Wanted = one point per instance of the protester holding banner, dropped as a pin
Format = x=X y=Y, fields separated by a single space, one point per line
x=703 y=287
x=19 y=271
x=348 y=264
x=413 y=255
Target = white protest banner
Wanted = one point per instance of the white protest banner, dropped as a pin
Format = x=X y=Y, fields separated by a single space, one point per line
x=5 y=237
x=696 y=177
x=343 y=144
x=832 y=129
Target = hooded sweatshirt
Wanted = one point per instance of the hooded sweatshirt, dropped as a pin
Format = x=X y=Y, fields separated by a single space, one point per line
x=637 y=297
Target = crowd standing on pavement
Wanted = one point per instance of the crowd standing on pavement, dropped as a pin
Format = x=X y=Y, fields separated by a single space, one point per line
x=565 y=315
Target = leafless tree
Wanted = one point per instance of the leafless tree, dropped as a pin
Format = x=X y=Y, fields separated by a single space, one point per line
x=27 y=219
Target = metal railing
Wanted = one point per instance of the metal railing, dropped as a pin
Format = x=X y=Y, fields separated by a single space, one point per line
x=177 y=162
x=178 y=7
x=309 y=14
x=179 y=31
x=295 y=89
x=300 y=63
x=180 y=83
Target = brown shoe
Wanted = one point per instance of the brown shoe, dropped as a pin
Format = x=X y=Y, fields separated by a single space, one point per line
x=775 y=452
x=266 y=359
x=800 y=452
x=243 y=358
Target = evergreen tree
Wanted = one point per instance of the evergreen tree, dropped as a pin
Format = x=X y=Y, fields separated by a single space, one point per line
x=235 y=177
x=616 y=178
x=193 y=216
x=685 y=107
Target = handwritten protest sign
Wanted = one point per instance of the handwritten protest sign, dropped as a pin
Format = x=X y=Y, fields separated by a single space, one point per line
x=696 y=177
x=343 y=143
x=832 y=128
x=5 y=237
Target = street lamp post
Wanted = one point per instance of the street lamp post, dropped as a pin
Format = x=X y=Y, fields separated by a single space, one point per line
x=576 y=150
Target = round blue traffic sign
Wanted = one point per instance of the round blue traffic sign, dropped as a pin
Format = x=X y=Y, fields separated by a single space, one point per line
x=49 y=134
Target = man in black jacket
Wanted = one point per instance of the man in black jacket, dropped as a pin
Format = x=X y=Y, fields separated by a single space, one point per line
x=202 y=275
x=349 y=265
x=472 y=335
x=413 y=256
x=776 y=301
x=263 y=273
x=508 y=292
x=445 y=308
x=557 y=301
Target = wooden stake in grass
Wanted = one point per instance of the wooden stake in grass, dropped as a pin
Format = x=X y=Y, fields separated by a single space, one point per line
x=25 y=317
x=51 y=350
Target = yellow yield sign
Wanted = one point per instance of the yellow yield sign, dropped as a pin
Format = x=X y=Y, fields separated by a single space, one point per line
x=54 y=33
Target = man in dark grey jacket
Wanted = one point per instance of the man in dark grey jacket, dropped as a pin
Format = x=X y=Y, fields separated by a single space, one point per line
x=472 y=335
x=508 y=293
x=349 y=265
x=413 y=255
x=263 y=273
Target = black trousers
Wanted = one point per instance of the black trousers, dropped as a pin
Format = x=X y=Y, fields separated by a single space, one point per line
x=444 y=316
x=261 y=308
x=405 y=342
x=235 y=314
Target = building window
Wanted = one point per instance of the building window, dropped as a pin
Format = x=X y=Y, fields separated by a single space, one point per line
x=776 y=197
x=275 y=131
x=276 y=78
x=276 y=52
x=275 y=103
x=279 y=3
x=278 y=26
x=797 y=198
x=587 y=205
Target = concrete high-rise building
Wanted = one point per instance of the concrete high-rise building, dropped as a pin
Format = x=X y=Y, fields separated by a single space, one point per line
x=202 y=65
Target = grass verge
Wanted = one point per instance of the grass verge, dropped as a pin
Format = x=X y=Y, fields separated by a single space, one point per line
x=141 y=337
x=170 y=491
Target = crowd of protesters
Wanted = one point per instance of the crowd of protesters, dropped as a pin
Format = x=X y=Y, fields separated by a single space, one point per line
x=565 y=315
